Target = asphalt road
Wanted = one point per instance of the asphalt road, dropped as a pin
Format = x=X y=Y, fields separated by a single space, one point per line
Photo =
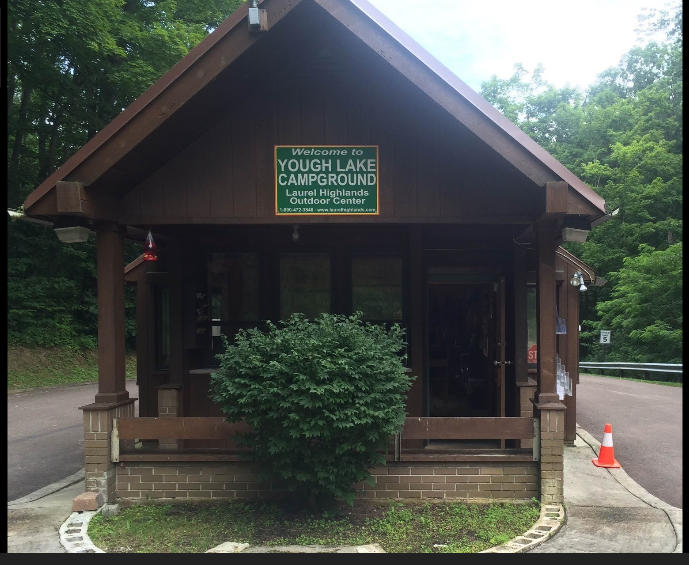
x=45 y=435
x=646 y=422
x=45 y=432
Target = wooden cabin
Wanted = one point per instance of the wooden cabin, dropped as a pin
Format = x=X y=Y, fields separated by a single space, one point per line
x=322 y=161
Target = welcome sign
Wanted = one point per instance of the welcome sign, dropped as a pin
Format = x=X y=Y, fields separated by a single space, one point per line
x=325 y=180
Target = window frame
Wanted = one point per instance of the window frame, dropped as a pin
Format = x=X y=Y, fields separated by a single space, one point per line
x=403 y=254
x=158 y=338
x=232 y=325
x=332 y=259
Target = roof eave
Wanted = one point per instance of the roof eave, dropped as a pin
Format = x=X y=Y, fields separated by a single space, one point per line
x=480 y=103
x=147 y=98
x=528 y=153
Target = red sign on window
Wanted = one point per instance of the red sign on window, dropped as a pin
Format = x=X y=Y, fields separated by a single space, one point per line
x=533 y=354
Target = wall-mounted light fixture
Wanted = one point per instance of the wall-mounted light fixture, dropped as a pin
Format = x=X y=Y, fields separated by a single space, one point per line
x=73 y=234
x=574 y=235
x=258 y=19
x=578 y=280
x=295 y=233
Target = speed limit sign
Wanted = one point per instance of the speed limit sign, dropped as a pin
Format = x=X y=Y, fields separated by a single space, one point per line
x=605 y=336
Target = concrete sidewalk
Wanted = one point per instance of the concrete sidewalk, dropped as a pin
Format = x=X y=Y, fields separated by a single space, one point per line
x=34 y=521
x=608 y=512
x=605 y=511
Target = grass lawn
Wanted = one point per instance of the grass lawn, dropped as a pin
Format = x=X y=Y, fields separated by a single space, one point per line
x=42 y=367
x=409 y=527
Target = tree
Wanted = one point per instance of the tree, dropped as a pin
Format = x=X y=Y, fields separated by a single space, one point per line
x=623 y=137
x=645 y=309
x=72 y=66
x=51 y=291
x=322 y=397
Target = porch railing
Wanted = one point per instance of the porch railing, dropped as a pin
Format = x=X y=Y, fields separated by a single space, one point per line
x=130 y=437
x=468 y=429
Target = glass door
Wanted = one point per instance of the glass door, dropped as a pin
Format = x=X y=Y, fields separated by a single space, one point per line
x=465 y=345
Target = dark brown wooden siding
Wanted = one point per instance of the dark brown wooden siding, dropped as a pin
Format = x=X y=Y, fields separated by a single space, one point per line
x=431 y=168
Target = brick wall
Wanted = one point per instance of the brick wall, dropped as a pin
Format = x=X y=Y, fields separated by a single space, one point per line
x=192 y=480
x=470 y=481
x=552 y=455
x=100 y=475
x=169 y=406
x=465 y=481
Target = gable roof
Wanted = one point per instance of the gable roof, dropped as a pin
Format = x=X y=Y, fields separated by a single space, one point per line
x=219 y=50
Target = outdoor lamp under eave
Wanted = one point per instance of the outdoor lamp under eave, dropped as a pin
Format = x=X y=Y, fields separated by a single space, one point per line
x=257 y=18
x=578 y=280
x=150 y=248
x=574 y=235
x=73 y=234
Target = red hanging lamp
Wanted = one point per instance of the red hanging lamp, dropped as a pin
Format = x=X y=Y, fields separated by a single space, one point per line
x=150 y=248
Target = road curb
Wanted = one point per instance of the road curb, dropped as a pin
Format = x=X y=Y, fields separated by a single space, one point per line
x=50 y=489
x=549 y=523
x=73 y=533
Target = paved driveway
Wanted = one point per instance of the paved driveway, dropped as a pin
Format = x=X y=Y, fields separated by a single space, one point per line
x=45 y=435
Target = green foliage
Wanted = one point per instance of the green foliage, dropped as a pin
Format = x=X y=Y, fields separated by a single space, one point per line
x=624 y=139
x=322 y=397
x=399 y=527
x=645 y=310
x=73 y=66
x=39 y=367
x=51 y=290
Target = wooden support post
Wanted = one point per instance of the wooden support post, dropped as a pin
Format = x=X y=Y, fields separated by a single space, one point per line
x=415 y=404
x=572 y=339
x=143 y=337
x=520 y=321
x=545 y=312
x=111 y=346
x=177 y=263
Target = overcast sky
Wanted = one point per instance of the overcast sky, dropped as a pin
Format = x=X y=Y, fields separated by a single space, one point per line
x=475 y=39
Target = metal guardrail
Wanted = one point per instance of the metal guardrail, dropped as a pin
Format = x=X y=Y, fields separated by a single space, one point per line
x=653 y=367
x=645 y=368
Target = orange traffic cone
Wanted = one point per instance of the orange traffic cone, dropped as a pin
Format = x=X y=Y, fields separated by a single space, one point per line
x=606 y=457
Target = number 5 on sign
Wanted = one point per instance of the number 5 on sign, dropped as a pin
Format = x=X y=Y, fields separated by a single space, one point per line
x=605 y=336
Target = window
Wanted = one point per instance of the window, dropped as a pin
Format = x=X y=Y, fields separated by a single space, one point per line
x=377 y=287
x=233 y=283
x=162 y=327
x=305 y=284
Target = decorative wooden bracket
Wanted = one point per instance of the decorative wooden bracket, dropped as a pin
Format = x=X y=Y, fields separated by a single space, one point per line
x=74 y=199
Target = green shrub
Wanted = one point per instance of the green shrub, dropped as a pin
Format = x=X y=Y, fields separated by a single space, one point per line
x=322 y=397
